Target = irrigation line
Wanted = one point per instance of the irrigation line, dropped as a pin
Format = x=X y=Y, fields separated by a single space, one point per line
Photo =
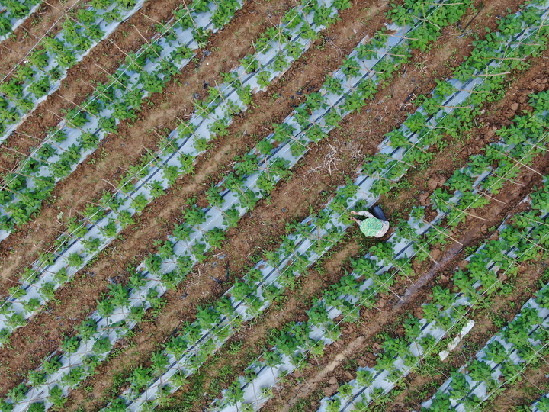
x=128 y=196
x=115 y=78
x=14 y=126
x=526 y=363
x=23 y=59
x=449 y=329
x=428 y=351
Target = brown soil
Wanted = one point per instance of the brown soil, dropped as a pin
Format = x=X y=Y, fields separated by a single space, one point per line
x=118 y=151
x=499 y=113
x=47 y=19
x=81 y=79
x=420 y=387
x=376 y=123
x=240 y=250
x=533 y=385
x=400 y=301
x=160 y=217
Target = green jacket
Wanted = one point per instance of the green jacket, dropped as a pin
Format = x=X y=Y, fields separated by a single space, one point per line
x=371 y=226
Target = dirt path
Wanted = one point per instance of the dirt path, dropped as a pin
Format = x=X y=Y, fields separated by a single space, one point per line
x=119 y=151
x=82 y=78
x=388 y=315
x=47 y=19
x=497 y=114
x=256 y=231
x=420 y=387
x=160 y=217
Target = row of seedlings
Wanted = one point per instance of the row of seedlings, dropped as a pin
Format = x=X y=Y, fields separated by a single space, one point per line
x=43 y=69
x=423 y=337
x=79 y=134
x=336 y=102
x=101 y=320
x=217 y=232
x=13 y=13
x=503 y=359
x=188 y=141
x=142 y=373
x=486 y=180
x=160 y=382
x=294 y=343
x=541 y=405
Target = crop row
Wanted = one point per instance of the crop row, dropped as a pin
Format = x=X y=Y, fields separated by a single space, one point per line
x=184 y=149
x=501 y=360
x=541 y=405
x=256 y=304
x=79 y=134
x=448 y=310
x=140 y=291
x=41 y=73
x=141 y=374
x=297 y=339
x=169 y=247
x=273 y=46
x=13 y=13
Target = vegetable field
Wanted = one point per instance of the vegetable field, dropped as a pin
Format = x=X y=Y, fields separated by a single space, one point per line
x=176 y=185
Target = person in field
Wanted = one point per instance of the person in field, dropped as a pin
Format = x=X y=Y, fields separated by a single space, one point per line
x=372 y=223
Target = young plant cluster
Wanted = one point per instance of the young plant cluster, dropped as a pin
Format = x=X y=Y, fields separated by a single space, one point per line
x=47 y=64
x=13 y=12
x=79 y=134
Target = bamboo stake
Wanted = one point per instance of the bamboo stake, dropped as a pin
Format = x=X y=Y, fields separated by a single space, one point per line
x=493 y=198
x=520 y=163
x=504 y=58
x=470 y=214
x=491 y=75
